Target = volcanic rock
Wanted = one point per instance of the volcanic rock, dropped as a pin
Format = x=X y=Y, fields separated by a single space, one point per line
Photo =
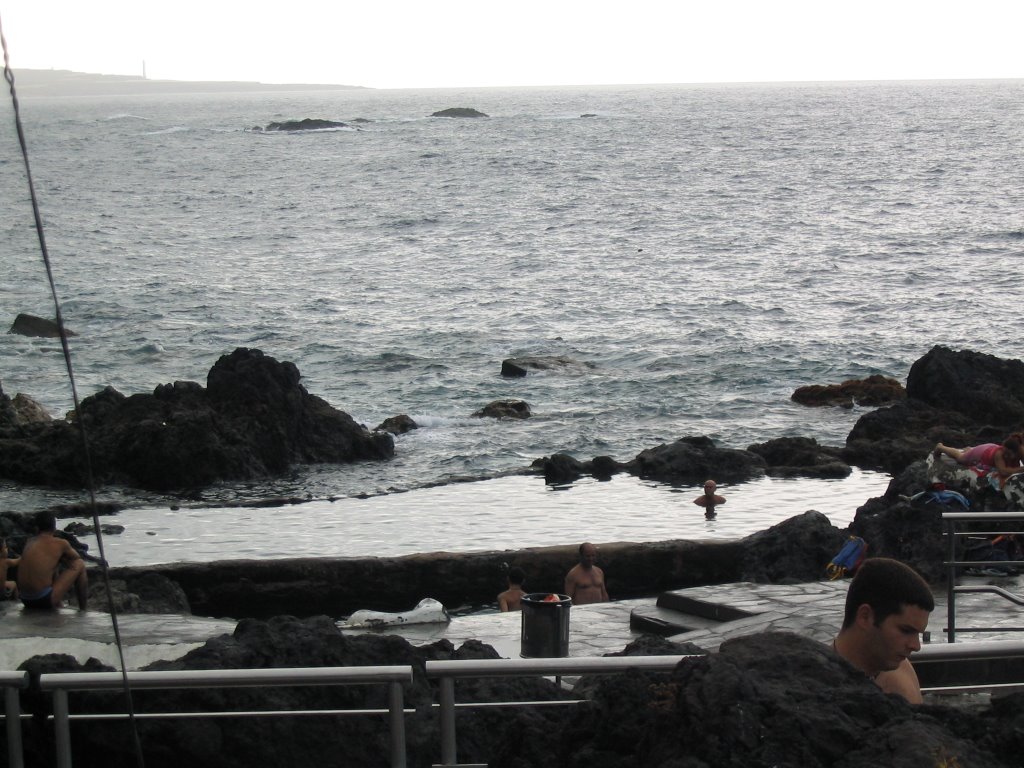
x=30 y=325
x=763 y=700
x=306 y=124
x=801 y=457
x=873 y=391
x=397 y=425
x=957 y=398
x=504 y=409
x=458 y=112
x=517 y=367
x=692 y=460
x=253 y=419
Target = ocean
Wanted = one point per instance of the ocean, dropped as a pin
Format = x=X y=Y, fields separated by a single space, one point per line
x=708 y=249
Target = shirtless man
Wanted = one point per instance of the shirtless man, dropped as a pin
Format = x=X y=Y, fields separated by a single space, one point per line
x=585 y=582
x=709 y=499
x=511 y=598
x=49 y=567
x=887 y=609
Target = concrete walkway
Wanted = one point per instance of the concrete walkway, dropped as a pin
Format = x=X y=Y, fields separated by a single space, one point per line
x=813 y=609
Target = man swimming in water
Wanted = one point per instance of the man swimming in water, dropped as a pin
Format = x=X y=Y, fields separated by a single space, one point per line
x=585 y=582
x=49 y=567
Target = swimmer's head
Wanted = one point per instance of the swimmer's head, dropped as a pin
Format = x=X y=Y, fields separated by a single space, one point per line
x=709 y=486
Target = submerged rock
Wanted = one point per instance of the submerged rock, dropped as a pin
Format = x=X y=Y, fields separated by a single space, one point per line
x=397 y=425
x=30 y=325
x=517 y=367
x=306 y=124
x=458 y=112
x=504 y=409
x=873 y=391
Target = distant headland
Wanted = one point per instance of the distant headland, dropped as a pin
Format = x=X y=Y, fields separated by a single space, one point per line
x=63 y=82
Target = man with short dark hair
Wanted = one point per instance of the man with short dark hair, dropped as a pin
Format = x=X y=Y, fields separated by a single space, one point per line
x=585 y=582
x=887 y=610
x=49 y=567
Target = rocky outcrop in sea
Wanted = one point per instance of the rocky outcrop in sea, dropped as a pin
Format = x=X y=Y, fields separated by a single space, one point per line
x=253 y=419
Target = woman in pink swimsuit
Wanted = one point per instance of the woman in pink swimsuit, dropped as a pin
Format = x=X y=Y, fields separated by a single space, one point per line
x=989 y=458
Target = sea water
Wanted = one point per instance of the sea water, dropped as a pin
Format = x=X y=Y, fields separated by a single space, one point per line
x=708 y=249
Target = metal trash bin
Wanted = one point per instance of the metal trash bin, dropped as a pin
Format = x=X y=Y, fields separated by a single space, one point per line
x=545 y=626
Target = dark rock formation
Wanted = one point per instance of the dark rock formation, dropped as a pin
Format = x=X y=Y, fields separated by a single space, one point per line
x=458 y=112
x=514 y=367
x=288 y=642
x=795 y=550
x=890 y=439
x=20 y=411
x=692 y=460
x=873 y=391
x=504 y=409
x=253 y=419
x=910 y=531
x=987 y=389
x=142 y=593
x=773 y=699
x=562 y=468
x=397 y=425
x=764 y=700
x=958 y=398
x=30 y=325
x=801 y=457
x=307 y=124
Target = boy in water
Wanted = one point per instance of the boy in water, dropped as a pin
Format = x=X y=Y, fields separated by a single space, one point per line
x=511 y=598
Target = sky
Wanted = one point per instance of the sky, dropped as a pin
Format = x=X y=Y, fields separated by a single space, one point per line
x=460 y=43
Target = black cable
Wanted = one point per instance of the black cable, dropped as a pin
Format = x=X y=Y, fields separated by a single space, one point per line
x=86 y=453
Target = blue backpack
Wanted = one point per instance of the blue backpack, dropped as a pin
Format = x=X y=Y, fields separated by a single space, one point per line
x=848 y=559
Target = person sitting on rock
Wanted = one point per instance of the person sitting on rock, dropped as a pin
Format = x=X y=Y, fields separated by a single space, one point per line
x=585 y=582
x=709 y=499
x=49 y=567
x=887 y=610
x=510 y=599
x=6 y=562
x=990 y=460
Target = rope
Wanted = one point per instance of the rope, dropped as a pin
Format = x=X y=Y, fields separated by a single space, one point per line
x=86 y=453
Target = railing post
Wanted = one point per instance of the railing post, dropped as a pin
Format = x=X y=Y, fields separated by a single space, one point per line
x=396 y=705
x=951 y=584
x=448 y=755
x=62 y=728
x=12 y=713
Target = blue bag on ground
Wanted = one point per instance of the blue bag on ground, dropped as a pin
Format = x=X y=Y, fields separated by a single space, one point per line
x=848 y=560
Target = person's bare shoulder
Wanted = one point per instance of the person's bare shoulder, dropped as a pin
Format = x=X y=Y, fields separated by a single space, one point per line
x=903 y=681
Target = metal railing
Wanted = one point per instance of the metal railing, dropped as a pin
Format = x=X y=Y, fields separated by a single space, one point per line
x=447 y=672
x=394 y=676
x=12 y=683
x=953 y=565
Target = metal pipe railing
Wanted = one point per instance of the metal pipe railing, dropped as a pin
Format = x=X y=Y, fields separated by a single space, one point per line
x=448 y=671
x=12 y=682
x=953 y=565
x=394 y=676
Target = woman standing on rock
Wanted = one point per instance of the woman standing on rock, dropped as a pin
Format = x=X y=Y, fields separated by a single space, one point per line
x=991 y=460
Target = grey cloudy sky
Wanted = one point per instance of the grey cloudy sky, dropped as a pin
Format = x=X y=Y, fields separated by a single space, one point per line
x=460 y=43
